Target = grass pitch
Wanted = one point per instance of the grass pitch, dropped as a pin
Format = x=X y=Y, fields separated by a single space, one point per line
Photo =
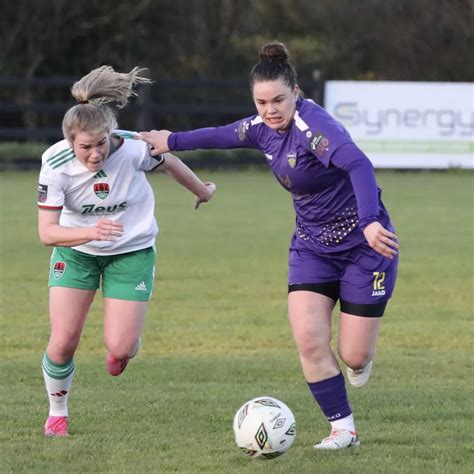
x=217 y=335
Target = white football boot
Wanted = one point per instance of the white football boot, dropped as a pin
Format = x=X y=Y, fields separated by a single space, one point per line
x=339 y=439
x=359 y=377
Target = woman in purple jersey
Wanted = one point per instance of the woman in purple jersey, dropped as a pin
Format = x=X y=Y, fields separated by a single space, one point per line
x=344 y=246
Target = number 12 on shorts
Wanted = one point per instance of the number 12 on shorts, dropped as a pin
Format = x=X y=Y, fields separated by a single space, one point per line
x=379 y=289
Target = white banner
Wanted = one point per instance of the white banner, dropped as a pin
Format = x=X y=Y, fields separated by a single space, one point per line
x=407 y=124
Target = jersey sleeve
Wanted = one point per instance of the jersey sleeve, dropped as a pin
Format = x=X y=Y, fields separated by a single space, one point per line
x=50 y=189
x=149 y=162
x=351 y=159
x=143 y=159
x=323 y=134
x=331 y=144
x=235 y=135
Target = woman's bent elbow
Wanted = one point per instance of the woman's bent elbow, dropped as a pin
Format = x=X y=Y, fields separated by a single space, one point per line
x=46 y=240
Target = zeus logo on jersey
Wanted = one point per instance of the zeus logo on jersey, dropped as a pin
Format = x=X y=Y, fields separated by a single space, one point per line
x=378 y=289
x=98 y=210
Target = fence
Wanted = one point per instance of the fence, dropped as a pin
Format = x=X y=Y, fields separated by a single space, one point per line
x=32 y=109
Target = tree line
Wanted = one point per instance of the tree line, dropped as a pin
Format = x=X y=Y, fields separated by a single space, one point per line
x=422 y=40
x=199 y=52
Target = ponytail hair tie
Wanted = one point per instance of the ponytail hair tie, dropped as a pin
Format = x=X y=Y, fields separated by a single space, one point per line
x=83 y=101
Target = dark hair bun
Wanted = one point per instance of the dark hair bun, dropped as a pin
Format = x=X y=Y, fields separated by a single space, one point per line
x=274 y=50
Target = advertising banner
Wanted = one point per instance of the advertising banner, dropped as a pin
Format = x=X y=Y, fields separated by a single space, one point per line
x=407 y=124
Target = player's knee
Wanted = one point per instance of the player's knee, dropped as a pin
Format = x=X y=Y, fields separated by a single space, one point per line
x=120 y=349
x=311 y=348
x=61 y=352
x=356 y=358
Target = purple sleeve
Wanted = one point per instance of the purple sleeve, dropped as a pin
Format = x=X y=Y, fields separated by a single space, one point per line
x=234 y=135
x=351 y=159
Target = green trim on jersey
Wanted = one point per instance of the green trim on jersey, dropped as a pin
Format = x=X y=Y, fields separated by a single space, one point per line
x=100 y=174
x=61 y=158
x=127 y=276
x=123 y=134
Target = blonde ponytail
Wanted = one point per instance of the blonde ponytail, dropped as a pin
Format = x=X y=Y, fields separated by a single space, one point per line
x=98 y=94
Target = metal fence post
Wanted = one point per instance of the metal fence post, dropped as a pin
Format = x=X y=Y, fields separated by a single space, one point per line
x=143 y=121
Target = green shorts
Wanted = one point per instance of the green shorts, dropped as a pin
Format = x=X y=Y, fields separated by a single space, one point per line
x=127 y=276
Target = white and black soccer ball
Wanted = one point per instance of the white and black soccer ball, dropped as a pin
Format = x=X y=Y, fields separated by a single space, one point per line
x=264 y=428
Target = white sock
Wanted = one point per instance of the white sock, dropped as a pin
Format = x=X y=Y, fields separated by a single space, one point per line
x=58 y=381
x=346 y=423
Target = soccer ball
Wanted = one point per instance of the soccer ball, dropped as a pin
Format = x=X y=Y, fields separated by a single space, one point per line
x=264 y=428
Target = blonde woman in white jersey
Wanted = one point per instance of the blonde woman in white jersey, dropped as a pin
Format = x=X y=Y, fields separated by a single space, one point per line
x=96 y=208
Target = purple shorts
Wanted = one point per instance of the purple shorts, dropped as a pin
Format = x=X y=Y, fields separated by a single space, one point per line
x=365 y=277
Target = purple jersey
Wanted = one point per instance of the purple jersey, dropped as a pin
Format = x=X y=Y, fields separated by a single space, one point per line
x=332 y=183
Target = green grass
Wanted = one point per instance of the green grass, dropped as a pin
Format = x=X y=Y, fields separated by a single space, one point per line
x=217 y=334
x=10 y=151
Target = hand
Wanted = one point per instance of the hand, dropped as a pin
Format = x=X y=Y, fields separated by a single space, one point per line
x=107 y=229
x=381 y=240
x=158 y=139
x=210 y=190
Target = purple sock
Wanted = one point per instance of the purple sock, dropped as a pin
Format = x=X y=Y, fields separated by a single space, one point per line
x=331 y=396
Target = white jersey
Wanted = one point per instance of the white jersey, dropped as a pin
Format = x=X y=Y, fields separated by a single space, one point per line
x=119 y=191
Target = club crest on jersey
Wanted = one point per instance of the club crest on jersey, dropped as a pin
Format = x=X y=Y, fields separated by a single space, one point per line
x=59 y=269
x=292 y=159
x=319 y=144
x=101 y=190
